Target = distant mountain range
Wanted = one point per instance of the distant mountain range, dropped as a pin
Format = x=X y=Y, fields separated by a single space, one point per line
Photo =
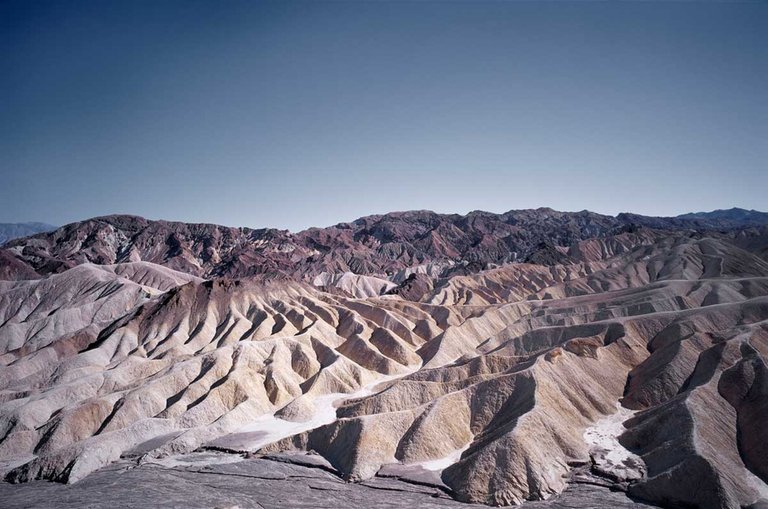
x=385 y=244
x=734 y=215
x=10 y=231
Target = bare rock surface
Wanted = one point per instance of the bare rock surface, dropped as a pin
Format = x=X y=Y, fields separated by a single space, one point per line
x=391 y=245
x=634 y=362
x=205 y=481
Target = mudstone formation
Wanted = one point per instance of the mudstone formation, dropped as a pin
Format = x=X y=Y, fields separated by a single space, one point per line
x=499 y=359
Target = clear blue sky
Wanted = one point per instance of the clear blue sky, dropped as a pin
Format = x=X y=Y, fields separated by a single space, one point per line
x=296 y=114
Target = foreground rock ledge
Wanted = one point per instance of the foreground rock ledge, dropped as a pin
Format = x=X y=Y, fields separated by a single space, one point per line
x=205 y=480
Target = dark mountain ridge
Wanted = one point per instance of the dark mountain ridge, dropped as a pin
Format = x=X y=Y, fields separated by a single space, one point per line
x=731 y=219
x=735 y=214
x=372 y=245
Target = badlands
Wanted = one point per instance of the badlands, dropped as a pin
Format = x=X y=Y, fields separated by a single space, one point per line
x=412 y=359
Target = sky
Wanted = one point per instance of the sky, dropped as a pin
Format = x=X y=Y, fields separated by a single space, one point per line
x=298 y=114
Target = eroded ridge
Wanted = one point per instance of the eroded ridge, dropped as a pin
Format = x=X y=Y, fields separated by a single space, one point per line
x=500 y=383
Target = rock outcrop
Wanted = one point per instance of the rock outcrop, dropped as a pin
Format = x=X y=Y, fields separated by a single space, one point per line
x=635 y=361
x=389 y=246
